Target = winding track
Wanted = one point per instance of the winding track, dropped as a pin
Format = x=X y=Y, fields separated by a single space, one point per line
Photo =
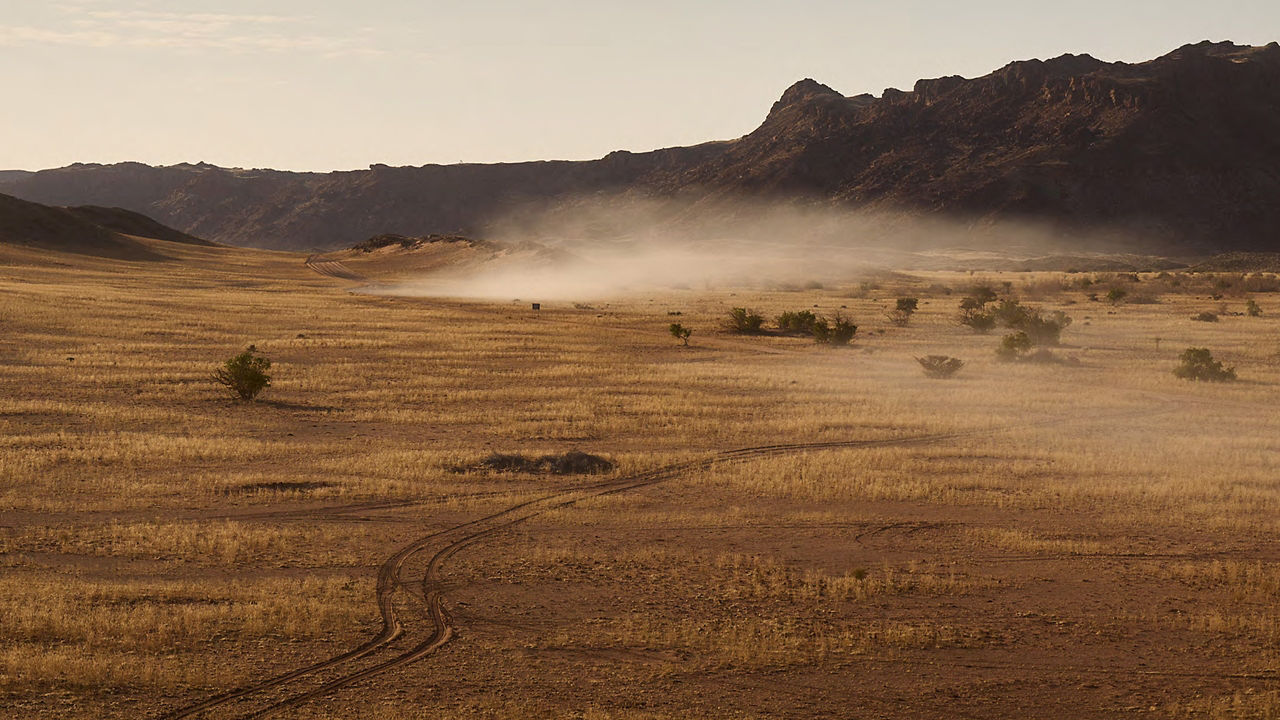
x=398 y=644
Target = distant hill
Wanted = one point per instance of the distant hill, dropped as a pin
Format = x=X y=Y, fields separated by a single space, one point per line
x=106 y=232
x=1180 y=151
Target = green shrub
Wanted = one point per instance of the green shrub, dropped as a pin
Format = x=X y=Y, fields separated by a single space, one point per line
x=245 y=375
x=745 y=322
x=1251 y=309
x=680 y=332
x=1013 y=346
x=799 y=322
x=940 y=366
x=977 y=320
x=1115 y=295
x=837 y=331
x=1198 y=364
x=1010 y=313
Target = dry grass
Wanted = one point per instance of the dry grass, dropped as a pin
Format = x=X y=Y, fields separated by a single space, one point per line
x=119 y=455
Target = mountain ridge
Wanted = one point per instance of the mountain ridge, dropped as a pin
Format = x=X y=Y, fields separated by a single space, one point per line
x=1178 y=150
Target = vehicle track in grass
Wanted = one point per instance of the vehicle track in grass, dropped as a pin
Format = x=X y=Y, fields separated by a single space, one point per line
x=403 y=640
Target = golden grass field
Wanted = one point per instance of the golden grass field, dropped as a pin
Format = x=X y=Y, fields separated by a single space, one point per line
x=1094 y=539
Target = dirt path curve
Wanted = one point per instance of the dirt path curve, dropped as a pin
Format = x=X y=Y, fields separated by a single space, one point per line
x=404 y=638
x=334 y=269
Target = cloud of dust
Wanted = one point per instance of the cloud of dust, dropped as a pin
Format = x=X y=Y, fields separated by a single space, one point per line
x=601 y=248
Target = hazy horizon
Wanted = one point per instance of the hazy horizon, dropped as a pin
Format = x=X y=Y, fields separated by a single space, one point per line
x=297 y=86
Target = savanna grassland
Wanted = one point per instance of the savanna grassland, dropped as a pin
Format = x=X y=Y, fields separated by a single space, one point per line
x=1089 y=537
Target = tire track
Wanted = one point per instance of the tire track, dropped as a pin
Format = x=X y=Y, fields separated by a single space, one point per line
x=450 y=541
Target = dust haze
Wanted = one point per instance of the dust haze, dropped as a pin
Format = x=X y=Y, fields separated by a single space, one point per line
x=595 y=249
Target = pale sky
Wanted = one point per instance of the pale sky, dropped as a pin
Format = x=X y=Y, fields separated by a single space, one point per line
x=323 y=85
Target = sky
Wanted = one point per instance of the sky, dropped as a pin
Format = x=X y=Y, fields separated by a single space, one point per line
x=340 y=84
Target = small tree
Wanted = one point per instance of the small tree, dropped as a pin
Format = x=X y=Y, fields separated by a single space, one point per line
x=1013 y=346
x=940 y=366
x=1251 y=308
x=1198 y=364
x=245 y=375
x=745 y=322
x=837 y=331
x=1115 y=295
x=680 y=333
x=902 y=312
x=977 y=320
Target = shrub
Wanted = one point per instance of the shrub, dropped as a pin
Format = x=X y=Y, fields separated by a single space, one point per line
x=977 y=320
x=744 y=321
x=1044 y=330
x=1013 y=346
x=1010 y=313
x=680 y=332
x=1205 y=317
x=1198 y=364
x=979 y=296
x=908 y=305
x=245 y=375
x=940 y=366
x=1251 y=309
x=837 y=331
x=800 y=322
x=1115 y=295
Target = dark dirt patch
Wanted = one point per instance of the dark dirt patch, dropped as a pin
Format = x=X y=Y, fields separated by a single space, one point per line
x=574 y=462
x=295 y=486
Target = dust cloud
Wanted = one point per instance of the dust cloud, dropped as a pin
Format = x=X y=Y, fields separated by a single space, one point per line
x=598 y=249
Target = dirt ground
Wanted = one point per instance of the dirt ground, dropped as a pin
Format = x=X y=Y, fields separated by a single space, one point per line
x=790 y=531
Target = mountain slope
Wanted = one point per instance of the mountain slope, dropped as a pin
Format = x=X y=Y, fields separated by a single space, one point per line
x=1178 y=150
x=104 y=232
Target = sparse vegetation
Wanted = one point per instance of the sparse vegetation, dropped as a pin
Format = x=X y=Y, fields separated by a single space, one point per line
x=1198 y=364
x=903 y=310
x=1115 y=295
x=680 y=332
x=1251 y=308
x=837 y=331
x=122 y=475
x=1205 y=317
x=245 y=375
x=797 y=322
x=745 y=322
x=1013 y=346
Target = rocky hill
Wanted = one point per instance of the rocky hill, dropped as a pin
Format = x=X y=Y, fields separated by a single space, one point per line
x=1179 y=151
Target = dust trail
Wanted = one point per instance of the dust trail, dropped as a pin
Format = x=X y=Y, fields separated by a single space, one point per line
x=600 y=248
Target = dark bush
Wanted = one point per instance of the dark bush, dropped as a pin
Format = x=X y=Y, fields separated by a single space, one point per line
x=245 y=375
x=1205 y=317
x=745 y=322
x=798 y=322
x=908 y=305
x=977 y=320
x=1115 y=295
x=836 y=331
x=1013 y=346
x=1198 y=364
x=940 y=366
x=1251 y=309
